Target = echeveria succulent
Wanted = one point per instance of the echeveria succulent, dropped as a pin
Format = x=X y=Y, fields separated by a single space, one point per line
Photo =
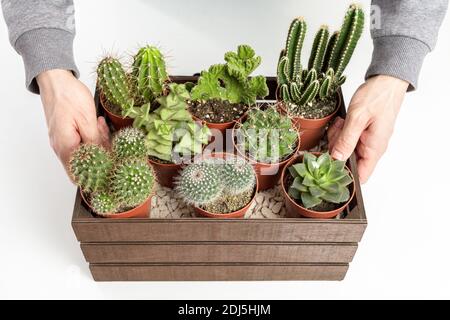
x=319 y=179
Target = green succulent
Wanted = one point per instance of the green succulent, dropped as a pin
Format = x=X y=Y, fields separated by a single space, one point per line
x=238 y=176
x=268 y=136
x=90 y=166
x=129 y=143
x=103 y=203
x=319 y=179
x=231 y=81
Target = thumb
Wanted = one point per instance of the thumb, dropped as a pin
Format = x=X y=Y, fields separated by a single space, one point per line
x=347 y=140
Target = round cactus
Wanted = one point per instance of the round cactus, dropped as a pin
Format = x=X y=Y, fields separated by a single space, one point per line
x=238 y=176
x=129 y=143
x=200 y=184
x=90 y=167
x=132 y=182
x=103 y=203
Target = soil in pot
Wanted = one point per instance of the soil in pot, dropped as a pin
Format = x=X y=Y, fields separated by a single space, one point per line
x=230 y=203
x=217 y=111
x=319 y=110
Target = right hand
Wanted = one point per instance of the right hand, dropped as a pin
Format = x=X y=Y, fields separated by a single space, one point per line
x=70 y=112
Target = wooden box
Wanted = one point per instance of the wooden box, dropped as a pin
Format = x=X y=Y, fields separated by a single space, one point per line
x=199 y=249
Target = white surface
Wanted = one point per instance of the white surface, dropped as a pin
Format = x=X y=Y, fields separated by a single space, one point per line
x=404 y=253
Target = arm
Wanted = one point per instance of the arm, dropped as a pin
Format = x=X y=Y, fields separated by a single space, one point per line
x=406 y=33
x=42 y=32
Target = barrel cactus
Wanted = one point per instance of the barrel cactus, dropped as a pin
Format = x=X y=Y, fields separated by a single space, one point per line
x=149 y=74
x=132 y=182
x=238 y=176
x=114 y=83
x=319 y=179
x=103 y=203
x=129 y=143
x=90 y=166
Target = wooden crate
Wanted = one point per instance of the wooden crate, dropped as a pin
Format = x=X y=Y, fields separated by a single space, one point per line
x=199 y=249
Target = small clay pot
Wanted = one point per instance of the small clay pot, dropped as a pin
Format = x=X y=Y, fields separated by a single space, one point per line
x=268 y=173
x=293 y=209
x=142 y=211
x=232 y=215
x=312 y=130
x=118 y=122
x=165 y=172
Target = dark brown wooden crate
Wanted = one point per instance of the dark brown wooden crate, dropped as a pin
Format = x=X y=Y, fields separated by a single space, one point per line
x=218 y=252
x=219 y=272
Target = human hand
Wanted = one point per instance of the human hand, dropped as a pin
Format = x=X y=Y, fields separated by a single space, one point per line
x=369 y=124
x=70 y=113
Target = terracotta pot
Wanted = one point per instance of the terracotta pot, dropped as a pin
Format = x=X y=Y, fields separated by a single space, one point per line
x=312 y=130
x=142 y=211
x=118 y=122
x=165 y=172
x=293 y=209
x=233 y=215
x=268 y=173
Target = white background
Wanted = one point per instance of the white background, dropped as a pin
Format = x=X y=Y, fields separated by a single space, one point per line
x=404 y=253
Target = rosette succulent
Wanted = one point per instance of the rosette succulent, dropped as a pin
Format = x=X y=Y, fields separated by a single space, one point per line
x=319 y=179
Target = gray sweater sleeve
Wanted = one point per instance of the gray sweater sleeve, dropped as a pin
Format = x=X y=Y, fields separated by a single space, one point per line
x=404 y=32
x=42 y=32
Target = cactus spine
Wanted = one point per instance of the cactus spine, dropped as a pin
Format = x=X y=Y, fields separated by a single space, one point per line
x=149 y=73
x=129 y=143
x=319 y=49
x=347 y=39
x=114 y=83
x=103 y=203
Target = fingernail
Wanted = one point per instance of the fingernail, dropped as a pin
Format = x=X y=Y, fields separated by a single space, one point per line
x=337 y=155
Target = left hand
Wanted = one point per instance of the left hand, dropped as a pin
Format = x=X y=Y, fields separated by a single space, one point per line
x=369 y=124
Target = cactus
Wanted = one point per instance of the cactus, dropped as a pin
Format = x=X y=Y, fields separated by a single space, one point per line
x=129 y=143
x=319 y=179
x=267 y=136
x=103 y=203
x=330 y=47
x=199 y=184
x=114 y=83
x=347 y=39
x=90 y=166
x=217 y=185
x=231 y=81
x=149 y=74
x=294 y=46
x=132 y=182
x=319 y=48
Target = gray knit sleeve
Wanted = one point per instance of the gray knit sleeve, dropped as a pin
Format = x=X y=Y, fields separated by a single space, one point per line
x=404 y=32
x=42 y=32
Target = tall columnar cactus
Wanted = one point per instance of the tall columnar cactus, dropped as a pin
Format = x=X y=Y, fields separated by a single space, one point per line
x=115 y=84
x=294 y=46
x=319 y=179
x=129 y=143
x=347 y=39
x=132 y=182
x=149 y=73
x=319 y=48
x=90 y=166
x=217 y=181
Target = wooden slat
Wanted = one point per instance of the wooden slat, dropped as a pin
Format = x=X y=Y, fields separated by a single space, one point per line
x=234 y=272
x=218 y=252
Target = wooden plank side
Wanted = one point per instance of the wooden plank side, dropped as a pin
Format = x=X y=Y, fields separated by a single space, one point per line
x=218 y=253
x=300 y=272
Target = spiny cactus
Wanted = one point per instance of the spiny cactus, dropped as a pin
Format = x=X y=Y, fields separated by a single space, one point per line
x=294 y=46
x=238 y=175
x=114 y=83
x=132 y=182
x=199 y=184
x=231 y=81
x=319 y=179
x=347 y=39
x=319 y=48
x=267 y=136
x=149 y=73
x=103 y=203
x=129 y=143
x=90 y=166
x=217 y=183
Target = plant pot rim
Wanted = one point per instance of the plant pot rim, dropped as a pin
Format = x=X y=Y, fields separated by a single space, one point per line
x=109 y=112
x=253 y=161
x=126 y=214
x=312 y=212
x=238 y=213
x=281 y=105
